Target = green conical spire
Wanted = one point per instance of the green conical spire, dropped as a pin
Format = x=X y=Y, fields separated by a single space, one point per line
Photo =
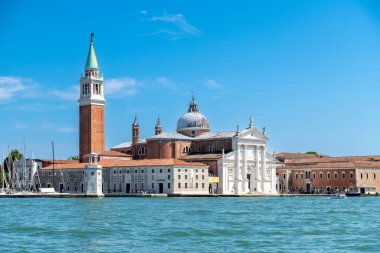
x=91 y=62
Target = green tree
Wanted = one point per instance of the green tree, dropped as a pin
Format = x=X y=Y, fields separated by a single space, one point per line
x=73 y=158
x=311 y=153
x=12 y=156
x=8 y=164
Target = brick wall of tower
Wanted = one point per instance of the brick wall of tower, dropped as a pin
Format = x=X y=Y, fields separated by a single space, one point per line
x=91 y=130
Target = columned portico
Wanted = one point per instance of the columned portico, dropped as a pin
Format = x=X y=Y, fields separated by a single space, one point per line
x=248 y=157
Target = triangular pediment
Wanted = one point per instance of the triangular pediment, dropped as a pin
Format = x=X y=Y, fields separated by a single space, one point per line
x=252 y=134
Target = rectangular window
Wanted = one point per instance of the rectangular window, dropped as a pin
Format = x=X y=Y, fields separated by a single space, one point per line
x=152 y=185
x=179 y=185
x=196 y=185
x=185 y=176
x=168 y=176
x=374 y=176
x=203 y=177
x=203 y=185
x=160 y=170
x=168 y=170
x=168 y=185
x=152 y=170
x=179 y=176
x=185 y=185
x=196 y=177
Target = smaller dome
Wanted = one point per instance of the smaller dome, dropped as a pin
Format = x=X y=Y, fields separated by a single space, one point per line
x=192 y=120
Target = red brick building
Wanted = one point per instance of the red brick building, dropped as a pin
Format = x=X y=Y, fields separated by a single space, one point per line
x=303 y=173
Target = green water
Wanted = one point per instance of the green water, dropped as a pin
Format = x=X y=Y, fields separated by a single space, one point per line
x=303 y=224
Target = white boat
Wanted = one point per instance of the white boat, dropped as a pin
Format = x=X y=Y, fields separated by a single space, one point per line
x=338 y=196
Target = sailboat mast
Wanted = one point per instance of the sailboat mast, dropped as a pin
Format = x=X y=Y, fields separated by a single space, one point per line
x=52 y=146
x=24 y=167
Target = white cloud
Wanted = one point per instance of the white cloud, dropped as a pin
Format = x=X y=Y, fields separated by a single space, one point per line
x=72 y=93
x=66 y=129
x=11 y=86
x=18 y=126
x=181 y=29
x=212 y=84
x=121 y=87
x=165 y=82
x=144 y=12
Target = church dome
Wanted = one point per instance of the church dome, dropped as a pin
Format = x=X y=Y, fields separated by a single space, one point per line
x=193 y=122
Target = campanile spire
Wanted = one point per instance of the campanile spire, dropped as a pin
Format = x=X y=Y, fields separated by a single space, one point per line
x=91 y=107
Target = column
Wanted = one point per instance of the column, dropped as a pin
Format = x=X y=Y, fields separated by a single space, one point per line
x=244 y=170
x=257 y=170
x=263 y=168
x=237 y=168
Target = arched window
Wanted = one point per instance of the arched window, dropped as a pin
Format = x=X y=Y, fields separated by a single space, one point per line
x=351 y=175
x=210 y=149
x=343 y=174
x=335 y=175
x=328 y=175
x=142 y=151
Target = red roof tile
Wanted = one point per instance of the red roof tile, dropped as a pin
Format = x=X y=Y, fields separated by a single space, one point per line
x=108 y=163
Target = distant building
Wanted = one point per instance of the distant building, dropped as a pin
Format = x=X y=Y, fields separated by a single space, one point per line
x=168 y=176
x=192 y=160
x=302 y=173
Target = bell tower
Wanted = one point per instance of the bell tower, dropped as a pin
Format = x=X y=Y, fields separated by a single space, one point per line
x=91 y=108
x=135 y=131
x=158 y=127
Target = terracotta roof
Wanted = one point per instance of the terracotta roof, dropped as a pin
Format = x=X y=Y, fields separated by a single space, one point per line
x=202 y=157
x=367 y=164
x=57 y=161
x=311 y=161
x=114 y=153
x=109 y=163
x=347 y=165
x=170 y=136
x=298 y=155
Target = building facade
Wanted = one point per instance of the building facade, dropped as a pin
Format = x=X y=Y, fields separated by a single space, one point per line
x=313 y=174
x=125 y=177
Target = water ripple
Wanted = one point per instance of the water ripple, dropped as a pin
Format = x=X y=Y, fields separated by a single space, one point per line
x=190 y=225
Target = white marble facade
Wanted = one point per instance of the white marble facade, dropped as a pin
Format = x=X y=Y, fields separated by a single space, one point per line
x=248 y=168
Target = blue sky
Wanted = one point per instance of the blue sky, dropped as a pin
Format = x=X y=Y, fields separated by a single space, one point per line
x=309 y=71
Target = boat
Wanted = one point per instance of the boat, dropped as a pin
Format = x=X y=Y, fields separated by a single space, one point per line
x=338 y=196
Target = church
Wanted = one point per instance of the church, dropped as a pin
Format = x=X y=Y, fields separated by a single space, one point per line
x=192 y=160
